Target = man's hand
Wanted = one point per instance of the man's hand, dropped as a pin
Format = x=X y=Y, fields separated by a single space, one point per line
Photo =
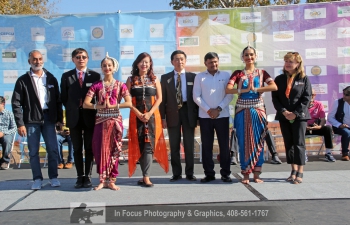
x=22 y=131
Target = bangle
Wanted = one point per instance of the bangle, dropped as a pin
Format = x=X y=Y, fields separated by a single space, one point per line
x=239 y=91
x=118 y=106
x=94 y=106
x=255 y=90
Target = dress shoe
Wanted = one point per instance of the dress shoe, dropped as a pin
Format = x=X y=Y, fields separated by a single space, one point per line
x=60 y=166
x=191 y=178
x=207 y=179
x=226 y=179
x=79 y=183
x=175 y=178
x=345 y=158
x=87 y=182
x=68 y=165
x=275 y=160
x=4 y=166
x=148 y=185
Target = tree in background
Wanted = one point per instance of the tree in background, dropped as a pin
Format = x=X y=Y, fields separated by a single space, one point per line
x=208 y=4
x=22 y=7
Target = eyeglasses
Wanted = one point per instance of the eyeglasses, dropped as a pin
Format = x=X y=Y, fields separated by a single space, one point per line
x=294 y=53
x=347 y=95
x=81 y=57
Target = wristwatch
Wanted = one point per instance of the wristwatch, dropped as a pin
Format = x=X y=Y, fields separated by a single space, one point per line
x=219 y=108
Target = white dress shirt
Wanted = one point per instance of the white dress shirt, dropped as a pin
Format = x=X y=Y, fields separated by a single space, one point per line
x=209 y=92
x=40 y=84
x=183 y=84
x=331 y=115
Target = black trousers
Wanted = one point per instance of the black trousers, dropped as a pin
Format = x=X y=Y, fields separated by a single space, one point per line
x=188 y=140
x=327 y=133
x=294 y=140
x=221 y=127
x=270 y=143
x=80 y=134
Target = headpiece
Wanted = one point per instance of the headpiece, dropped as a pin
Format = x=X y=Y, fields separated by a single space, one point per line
x=115 y=62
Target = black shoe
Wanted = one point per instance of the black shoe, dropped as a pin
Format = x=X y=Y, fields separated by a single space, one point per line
x=226 y=179
x=275 y=160
x=175 y=178
x=87 y=182
x=79 y=183
x=207 y=179
x=191 y=178
x=4 y=166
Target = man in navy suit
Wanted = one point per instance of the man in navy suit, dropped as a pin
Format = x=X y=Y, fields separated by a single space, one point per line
x=74 y=86
x=179 y=117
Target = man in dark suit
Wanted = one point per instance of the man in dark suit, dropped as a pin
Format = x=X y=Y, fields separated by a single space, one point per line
x=74 y=86
x=179 y=113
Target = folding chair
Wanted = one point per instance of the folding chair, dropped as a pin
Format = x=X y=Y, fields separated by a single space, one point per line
x=23 y=144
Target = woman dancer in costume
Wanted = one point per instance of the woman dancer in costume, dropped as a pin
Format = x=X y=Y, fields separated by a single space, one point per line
x=108 y=131
x=250 y=118
x=145 y=127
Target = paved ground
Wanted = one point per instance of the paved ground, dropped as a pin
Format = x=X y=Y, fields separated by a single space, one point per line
x=322 y=198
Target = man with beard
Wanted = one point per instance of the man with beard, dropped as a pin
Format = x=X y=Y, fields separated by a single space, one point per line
x=37 y=108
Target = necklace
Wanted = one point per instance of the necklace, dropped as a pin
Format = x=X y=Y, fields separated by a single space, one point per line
x=110 y=86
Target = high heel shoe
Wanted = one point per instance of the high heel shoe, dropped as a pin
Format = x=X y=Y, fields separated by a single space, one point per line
x=296 y=180
x=290 y=178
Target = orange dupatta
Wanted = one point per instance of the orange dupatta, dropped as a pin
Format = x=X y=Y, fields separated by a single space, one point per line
x=160 y=149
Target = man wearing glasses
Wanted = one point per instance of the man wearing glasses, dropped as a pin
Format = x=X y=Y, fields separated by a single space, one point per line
x=74 y=86
x=339 y=118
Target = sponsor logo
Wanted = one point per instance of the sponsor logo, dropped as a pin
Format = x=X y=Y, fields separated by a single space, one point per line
x=320 y=88
x=7 y=34
x=8 y=96
x=220 y=40
x=344 y=69
x=316 y=70
x=38 y=34
x=159 y=71
x=127 y=52
x=126 y=31
x=315 y=34
x=156 y=30
x=283 y=15
x=97 y=32
x=219 y=19
x=98 y=53
x=250 y=17
x=251 y=37
x=316 y=13
x=193 y=60
x=343 y=32
x=225 y=58
x=283 y=36
x=10 y=76
x=344 y=11
x=315 y=53
x=188 y=41
x=344 y=51
x=157 y=51
x=67 y=33
x=125 y=72
x=188 y=21
x=9 y=55
x=279 y=54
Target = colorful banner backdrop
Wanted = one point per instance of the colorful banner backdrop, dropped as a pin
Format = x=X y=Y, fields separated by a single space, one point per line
x=319 y=32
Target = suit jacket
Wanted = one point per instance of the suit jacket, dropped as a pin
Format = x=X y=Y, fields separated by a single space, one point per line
x=299 y=97
x=168 y=108
x=71 y=93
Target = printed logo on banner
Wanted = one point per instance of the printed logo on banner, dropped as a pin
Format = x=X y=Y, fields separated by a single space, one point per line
x=126 y=72
x=315 y=53
x=283 y=35
x=325 y=105
x=188 y=41
x=251 y=37
x=67 y=54
x=126 y=31
x=225 y=58
x=320 y=88
x=343 y=11
x=259 y=56
x=219 y=19
x=343 y=32
x=316 y=70
x=67 y=33
x=89 y=212
x=282 y=15
x=157 y=51
x=8 y=97
x=278 y=55
x=7 y=34
x=342 y=86
x=220 y=39
x=98 y=53
x=9 y=55
x=277 y=71
x=344 y=69
x=193 y=60
x=251 y=17
x=10 y=76
x=156 y=30
x=344 y=51
x=127 y=52
x=187 y=21
x=159 y=71
x=38 y=33
x=97 y=32
x=316 y=13
x=315 y=34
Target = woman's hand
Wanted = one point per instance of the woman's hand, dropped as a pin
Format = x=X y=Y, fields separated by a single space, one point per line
x=146 y=116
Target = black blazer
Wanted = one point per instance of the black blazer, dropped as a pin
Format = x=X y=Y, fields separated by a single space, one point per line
x=71 y=93
x=299 y=97
x=168 y=108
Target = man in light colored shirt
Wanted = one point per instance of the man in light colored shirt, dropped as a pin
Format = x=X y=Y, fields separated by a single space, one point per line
x=7 y=133
x=37 y=108
x=209 y=94
x=339 y=118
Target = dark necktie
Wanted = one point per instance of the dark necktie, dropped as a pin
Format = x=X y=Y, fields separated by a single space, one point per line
x=81 y=85
x=178 y=91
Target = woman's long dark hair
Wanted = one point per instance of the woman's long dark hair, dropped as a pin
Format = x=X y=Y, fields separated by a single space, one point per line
x=135 y=70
